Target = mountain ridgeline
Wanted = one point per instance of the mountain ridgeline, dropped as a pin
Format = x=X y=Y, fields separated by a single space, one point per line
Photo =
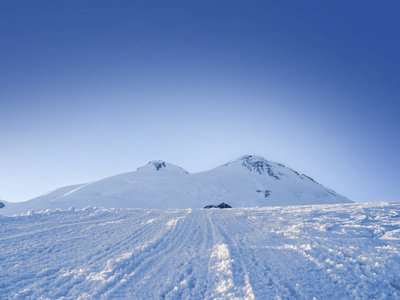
x=246 y=182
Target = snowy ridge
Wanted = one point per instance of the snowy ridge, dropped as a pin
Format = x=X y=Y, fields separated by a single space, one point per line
x=259 y=165
x=342 y=251
x=162 y=167
x=78 y=188
x=246 y=182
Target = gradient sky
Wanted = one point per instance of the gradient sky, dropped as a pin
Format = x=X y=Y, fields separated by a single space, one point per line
x=90 y=89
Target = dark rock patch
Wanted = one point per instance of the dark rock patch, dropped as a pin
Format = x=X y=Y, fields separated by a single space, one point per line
x=266 y=192
x=159 y=165
x=259 y=166
x=222 y=205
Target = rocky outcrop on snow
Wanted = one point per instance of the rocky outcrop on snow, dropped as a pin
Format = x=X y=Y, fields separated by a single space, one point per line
x=266 y=193
x=222 y=205
x=159 y=164
x=162 y=166
x=259 y=165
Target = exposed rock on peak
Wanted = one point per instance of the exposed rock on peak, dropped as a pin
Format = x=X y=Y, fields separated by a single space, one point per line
x=158 y=164
x=259 y=165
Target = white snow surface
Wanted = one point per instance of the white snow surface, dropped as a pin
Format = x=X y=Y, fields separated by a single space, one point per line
x=247 y=182
x=340 y=251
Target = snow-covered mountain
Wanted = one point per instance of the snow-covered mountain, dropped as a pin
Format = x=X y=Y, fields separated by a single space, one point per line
x=246 y=182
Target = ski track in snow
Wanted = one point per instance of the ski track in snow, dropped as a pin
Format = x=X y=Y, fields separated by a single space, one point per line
x=343 y=251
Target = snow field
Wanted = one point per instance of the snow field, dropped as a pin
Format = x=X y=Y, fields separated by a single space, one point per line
x=342 y=251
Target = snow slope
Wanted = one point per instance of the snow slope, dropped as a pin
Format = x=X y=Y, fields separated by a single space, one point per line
x=247 y=182
x=342 y=251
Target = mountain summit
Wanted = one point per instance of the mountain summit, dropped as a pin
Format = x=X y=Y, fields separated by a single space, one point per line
x=246 y=182
x=257 y=164
x=156 y=167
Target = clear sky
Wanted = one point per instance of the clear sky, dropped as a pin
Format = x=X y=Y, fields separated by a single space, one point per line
x=90 y=89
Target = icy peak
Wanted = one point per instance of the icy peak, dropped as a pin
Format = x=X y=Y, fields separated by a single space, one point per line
x=160 y=166
x=252 y=158
x=258 y=164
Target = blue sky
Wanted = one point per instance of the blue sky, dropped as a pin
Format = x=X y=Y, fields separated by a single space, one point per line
x=89 y=89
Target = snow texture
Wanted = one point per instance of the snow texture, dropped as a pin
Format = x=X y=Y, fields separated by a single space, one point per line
x=342 y=251
x=247 y=182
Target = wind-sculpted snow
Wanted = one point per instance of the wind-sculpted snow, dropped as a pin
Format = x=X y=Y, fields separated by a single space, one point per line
x=343 y=251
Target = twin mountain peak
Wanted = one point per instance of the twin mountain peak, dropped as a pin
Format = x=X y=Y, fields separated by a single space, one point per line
x=246 y=182
x=251 y=162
